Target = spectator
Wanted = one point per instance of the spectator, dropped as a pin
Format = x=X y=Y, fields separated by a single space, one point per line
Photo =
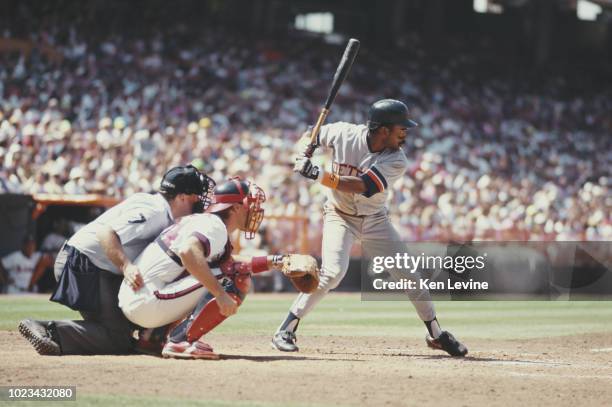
x=24 y=267
x=491 y=160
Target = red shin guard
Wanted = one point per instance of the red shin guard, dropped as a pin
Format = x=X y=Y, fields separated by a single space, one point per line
x=209 y=317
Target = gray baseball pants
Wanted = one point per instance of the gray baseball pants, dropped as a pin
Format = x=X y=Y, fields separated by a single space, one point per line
x=339 y=233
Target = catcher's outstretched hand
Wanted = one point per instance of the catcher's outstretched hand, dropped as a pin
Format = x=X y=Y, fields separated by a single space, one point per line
x=302 y=270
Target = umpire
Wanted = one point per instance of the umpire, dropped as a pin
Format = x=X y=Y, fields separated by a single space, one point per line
x=94 y=261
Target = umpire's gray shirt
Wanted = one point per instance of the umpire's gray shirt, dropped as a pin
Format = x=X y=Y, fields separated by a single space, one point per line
x=137 y=221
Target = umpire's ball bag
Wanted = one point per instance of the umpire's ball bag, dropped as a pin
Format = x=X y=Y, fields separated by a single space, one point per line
x=79 y=284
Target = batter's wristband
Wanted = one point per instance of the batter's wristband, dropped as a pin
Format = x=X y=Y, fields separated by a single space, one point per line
x=277 y=260
x=259 y=264
x=330 y=180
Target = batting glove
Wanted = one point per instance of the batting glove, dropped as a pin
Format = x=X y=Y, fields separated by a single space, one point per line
x=305 y=168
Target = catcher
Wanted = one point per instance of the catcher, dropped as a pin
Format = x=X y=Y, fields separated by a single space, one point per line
x=189 y=272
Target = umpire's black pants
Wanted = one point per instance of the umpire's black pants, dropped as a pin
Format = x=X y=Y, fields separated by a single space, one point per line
x=106 y=331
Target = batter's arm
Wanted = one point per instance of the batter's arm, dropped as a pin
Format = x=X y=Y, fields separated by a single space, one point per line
x=367 y=184
x=343 y=183
x=351 y=184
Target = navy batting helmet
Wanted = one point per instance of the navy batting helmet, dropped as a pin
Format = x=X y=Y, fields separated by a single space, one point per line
x=389 y=112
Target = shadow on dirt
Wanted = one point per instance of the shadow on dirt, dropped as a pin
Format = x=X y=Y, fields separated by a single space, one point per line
x=282 y=357
x=466 y=359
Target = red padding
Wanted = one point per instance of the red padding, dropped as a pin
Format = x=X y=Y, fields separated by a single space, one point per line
x=259 y=264
x=210 y=316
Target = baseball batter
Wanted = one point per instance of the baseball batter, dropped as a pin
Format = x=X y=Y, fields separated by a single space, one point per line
x=367 y=160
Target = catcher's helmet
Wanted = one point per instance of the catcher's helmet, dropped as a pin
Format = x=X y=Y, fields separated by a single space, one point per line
x=238 y=191
x=387 y=112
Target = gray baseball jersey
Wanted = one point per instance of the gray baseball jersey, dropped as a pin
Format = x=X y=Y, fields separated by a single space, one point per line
x=352 y=156
x=137 y=221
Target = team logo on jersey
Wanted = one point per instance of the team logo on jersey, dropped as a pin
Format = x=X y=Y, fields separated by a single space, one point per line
x=141 y=219
x=346 y=169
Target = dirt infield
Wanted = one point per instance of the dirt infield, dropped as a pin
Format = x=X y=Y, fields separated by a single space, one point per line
x=339 y=370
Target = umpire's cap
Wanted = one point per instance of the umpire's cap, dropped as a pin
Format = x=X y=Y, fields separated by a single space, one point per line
x=387 y=112
x=184 y=180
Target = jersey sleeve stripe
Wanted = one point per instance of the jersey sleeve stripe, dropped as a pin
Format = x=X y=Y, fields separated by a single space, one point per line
x=371 y=186
x=379 y=185
x=205 y=243
x=380 y=176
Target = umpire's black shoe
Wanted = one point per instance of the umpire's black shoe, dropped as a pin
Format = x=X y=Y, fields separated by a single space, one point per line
x=39 y=335
x=285 y=341
x=447 y=342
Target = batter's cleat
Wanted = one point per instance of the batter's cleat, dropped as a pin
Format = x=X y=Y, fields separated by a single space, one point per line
x=39 y=335
x=285 y=341
x=187 y=350
x=447 y=342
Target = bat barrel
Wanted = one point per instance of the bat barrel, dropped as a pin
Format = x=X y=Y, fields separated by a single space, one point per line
x=350 y=52
x=344 y=67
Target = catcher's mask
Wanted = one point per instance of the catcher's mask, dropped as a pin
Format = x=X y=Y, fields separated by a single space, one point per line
x=236 y=191
x=189 y=180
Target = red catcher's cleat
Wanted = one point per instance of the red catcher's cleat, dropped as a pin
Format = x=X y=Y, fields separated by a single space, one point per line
x=175 y=349
x=185 y=350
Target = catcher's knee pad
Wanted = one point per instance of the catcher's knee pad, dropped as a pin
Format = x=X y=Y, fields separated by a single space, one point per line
x=209 y=315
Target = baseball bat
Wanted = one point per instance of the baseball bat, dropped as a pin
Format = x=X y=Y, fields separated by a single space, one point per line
x=342 y=71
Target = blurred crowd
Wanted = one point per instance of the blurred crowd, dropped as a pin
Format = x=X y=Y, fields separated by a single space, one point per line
x=492 y=159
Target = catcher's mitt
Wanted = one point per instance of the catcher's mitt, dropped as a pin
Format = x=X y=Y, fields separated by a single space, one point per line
x=302 y=270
